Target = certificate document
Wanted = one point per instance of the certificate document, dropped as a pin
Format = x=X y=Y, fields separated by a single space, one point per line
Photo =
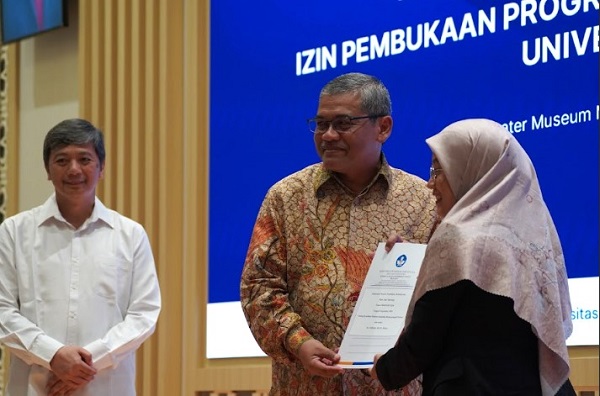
x=379 y=314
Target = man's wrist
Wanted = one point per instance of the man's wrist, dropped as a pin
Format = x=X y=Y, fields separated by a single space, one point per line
x=296 y=338
x=44 y=348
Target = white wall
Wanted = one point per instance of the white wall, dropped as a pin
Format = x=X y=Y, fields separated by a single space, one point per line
x=48 y=94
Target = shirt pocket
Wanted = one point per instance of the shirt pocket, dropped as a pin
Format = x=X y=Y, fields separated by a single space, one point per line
x=109 y=276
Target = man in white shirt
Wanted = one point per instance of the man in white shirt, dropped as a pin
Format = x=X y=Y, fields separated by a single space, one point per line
x=78 y=286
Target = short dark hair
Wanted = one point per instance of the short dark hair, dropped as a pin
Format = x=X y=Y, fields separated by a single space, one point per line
x=374 y=96
x=73 y=131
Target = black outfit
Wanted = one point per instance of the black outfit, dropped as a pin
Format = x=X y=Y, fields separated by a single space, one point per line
x=465 y=341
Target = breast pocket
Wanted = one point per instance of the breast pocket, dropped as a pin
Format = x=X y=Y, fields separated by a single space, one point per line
x=110 y=276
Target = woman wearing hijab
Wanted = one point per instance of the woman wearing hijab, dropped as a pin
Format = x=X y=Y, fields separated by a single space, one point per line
x=490 y=312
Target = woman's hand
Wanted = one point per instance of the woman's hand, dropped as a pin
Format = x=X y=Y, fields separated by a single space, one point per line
x=373 y=372
x=391 y=241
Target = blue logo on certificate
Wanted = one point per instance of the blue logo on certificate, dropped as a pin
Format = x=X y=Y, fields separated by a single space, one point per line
x=401 y=260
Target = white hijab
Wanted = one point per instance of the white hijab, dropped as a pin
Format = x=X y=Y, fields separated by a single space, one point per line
x=500 y=236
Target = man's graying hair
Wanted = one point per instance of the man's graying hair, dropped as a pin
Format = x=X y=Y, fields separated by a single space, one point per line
x=73 y=131
x=375 y=98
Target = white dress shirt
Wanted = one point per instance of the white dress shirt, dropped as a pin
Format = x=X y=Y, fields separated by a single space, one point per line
x=95 y=287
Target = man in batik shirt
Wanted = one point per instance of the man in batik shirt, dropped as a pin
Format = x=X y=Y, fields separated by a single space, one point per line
x=315 y=234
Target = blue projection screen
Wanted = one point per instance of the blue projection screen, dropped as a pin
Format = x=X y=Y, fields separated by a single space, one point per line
x=531 y=65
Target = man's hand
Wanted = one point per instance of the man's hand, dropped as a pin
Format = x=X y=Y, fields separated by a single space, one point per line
x=56 y=387
x=319 y=360
x=73 y=366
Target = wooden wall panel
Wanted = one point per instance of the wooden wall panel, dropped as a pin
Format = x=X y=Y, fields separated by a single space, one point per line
x=196 y=197
x=131 y=86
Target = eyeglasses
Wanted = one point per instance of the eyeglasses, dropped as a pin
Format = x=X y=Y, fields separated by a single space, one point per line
x=433 y=172
x=340 y=124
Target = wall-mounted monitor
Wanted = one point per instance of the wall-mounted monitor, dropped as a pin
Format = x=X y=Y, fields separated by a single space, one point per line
x=21 y=19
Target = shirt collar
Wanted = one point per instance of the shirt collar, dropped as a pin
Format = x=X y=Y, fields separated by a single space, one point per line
x=324 y=176
x=49 y=210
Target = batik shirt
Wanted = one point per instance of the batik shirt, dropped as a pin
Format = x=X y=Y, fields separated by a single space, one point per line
x=309 y=254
